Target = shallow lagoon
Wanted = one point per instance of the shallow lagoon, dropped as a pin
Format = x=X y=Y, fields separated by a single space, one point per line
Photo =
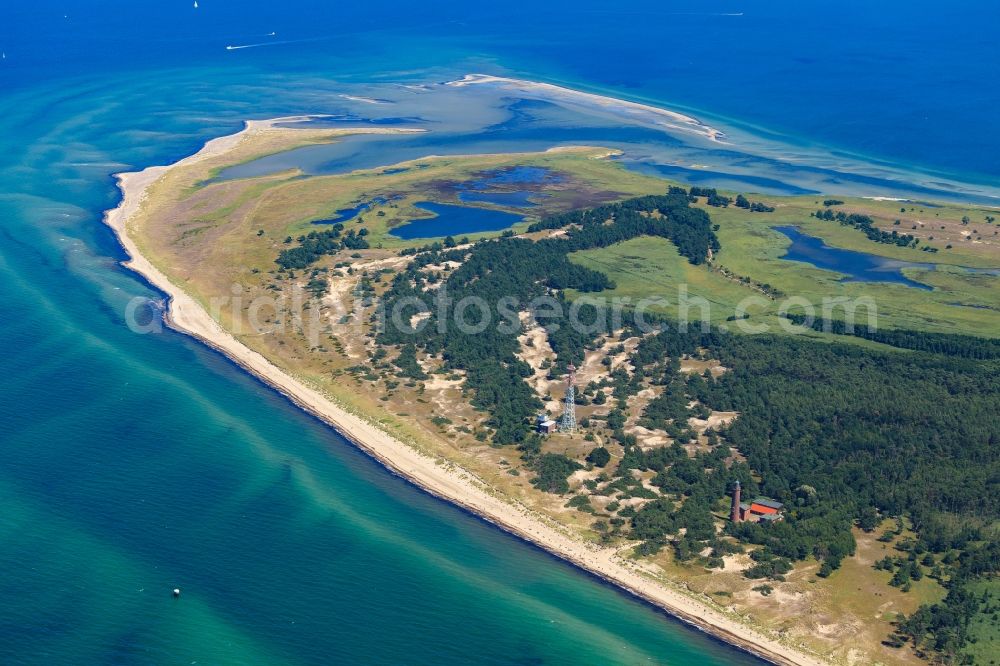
x=519 y=175
x=500 y=186
x=518 y=199
x=493 y=119
x=344 y=214
x=858 y=266
x=451 y=219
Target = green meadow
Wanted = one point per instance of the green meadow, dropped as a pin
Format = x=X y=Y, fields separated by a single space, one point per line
x=749 y=275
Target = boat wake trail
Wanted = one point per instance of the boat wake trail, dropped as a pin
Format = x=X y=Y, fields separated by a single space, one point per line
x=237 y=47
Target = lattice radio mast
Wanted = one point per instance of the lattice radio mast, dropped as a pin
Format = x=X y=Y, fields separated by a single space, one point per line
x=568 y=421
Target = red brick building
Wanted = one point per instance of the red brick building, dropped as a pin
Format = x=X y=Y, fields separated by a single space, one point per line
x=761 y=509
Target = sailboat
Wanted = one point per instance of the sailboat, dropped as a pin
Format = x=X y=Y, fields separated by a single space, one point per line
x=196 y=4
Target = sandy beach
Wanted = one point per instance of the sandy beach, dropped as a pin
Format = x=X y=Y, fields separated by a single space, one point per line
x=670 y=120
x=437 y=476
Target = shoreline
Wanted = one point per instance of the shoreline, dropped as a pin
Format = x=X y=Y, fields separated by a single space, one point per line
x=671 y=120
x=916 y=179
x=438 y=477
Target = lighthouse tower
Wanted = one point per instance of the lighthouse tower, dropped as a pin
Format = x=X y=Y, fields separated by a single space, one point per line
x=734 y=513
x=567 y=423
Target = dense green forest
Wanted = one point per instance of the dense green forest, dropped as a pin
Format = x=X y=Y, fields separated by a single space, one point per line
x=913 y=433
x=950 y=344
x=508 y=273
x=842 y=434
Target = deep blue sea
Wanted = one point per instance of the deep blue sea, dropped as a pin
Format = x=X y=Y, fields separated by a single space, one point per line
x=132 y=464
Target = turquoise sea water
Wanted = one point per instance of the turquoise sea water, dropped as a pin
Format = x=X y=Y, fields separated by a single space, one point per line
x=132 y=464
